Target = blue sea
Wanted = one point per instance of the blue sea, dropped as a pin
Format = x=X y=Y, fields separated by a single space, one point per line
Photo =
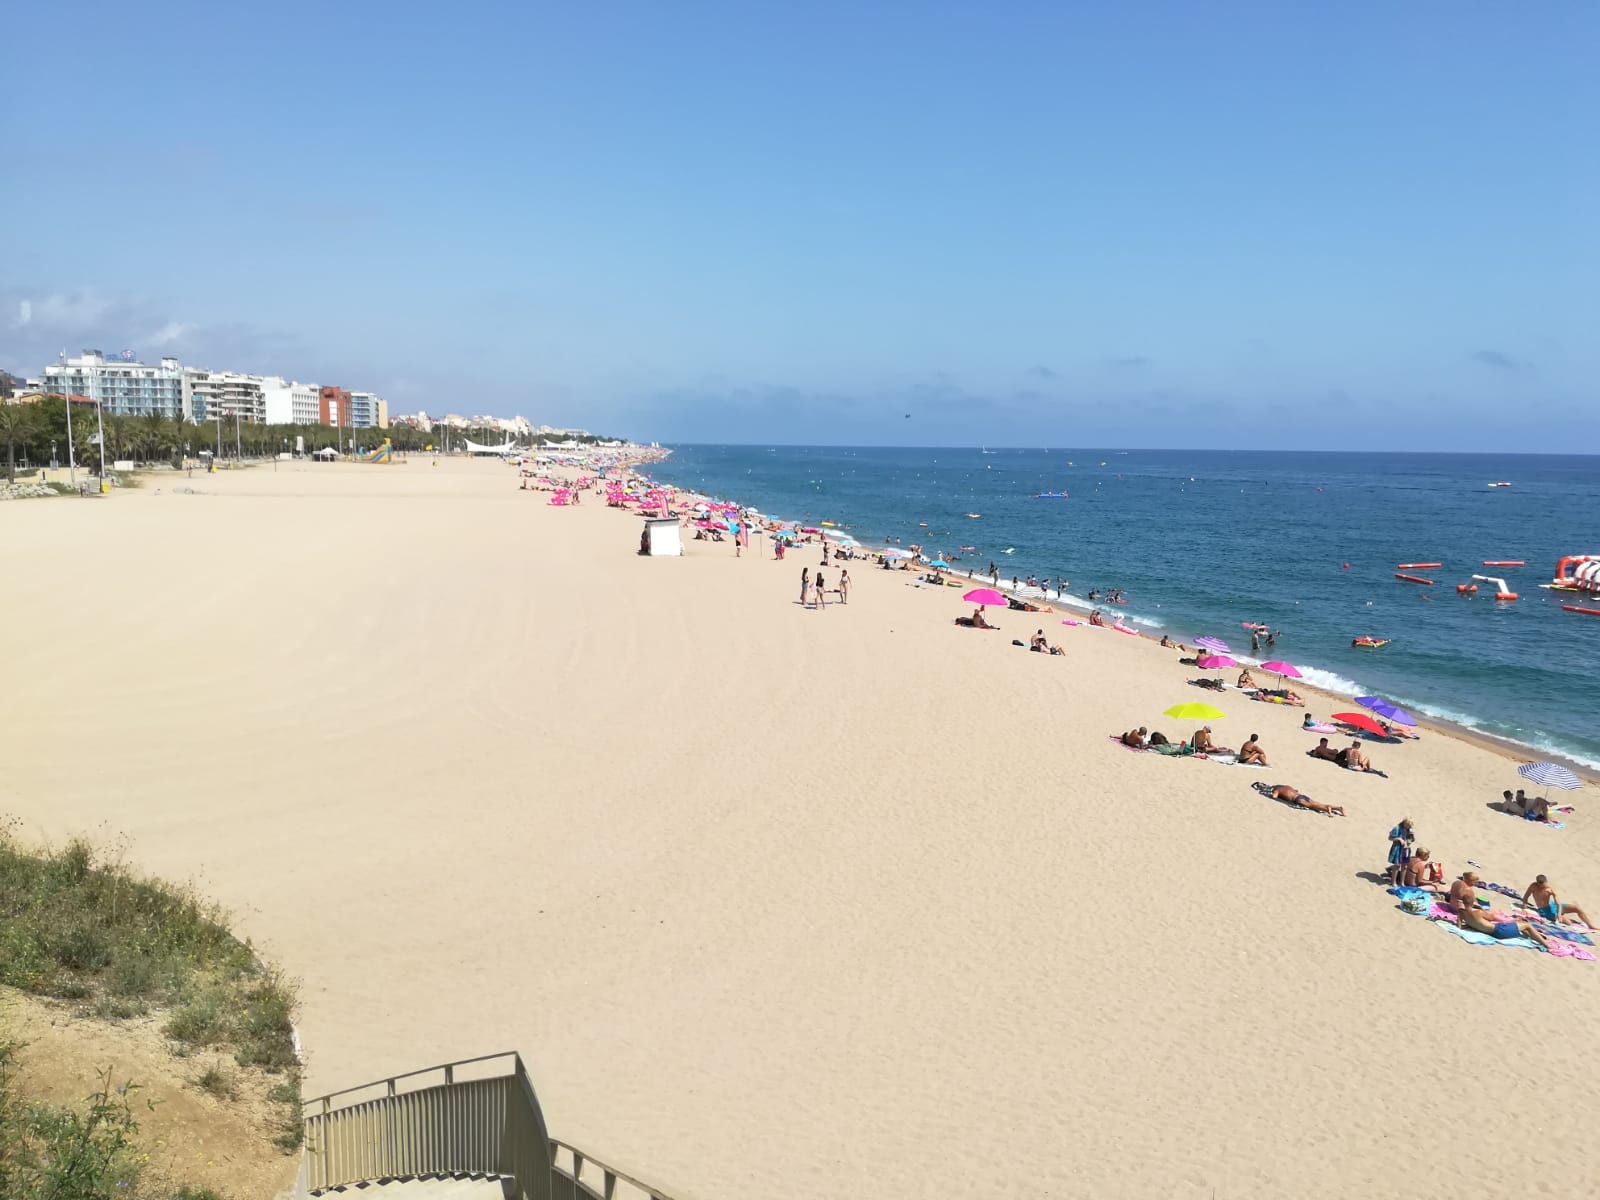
x=1201 y=541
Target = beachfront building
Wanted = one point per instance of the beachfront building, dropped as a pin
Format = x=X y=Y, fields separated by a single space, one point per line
x=367 y=411
x=225 y=394
x=122 y=386
x=333 y=406
x=290 y=403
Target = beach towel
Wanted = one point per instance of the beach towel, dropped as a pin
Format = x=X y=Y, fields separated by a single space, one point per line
x=1484 y=939
x=1117 y=738
x=1542 y=824
x=1320 y=727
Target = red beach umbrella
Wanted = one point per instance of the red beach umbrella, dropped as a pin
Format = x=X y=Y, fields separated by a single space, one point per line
x=1360 y=721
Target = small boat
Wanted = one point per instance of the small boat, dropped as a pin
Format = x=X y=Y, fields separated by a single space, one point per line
x=974 y=516
x=1051 y=496
x=1370 y=643
x=1590 y=612
x=1502 y=483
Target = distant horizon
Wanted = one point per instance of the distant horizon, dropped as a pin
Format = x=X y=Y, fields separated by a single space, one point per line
x=665 y=445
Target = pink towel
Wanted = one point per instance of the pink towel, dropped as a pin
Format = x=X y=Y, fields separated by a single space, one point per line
x=1561 y=949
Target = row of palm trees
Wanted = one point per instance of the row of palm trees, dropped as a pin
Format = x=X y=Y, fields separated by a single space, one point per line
x=33 y=433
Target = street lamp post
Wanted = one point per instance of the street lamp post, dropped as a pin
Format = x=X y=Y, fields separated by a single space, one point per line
x=72 y=457
x=100 y=429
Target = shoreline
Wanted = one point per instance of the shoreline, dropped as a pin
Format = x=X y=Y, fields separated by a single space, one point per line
x=1505 y=747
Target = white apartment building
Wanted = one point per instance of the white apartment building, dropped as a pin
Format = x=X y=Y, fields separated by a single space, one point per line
x=290 y=403
x=121 y=386
x=214 y=394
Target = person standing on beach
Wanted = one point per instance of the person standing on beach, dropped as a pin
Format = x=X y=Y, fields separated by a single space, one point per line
x=1400 y=839
x=805 y=587
x=822 y=596
x=738 y=540
x=844 y=587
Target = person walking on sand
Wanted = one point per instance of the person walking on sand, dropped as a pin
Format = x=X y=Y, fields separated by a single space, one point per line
x=844 y=587
x=1541 y=897
x=805 y=587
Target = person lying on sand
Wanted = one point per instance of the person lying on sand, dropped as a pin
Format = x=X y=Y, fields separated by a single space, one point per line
x=1473 y=918
x=1535 y=808
x=1252 y=754
x=1211 y=685
x=1541 y=897
x=1323 y=751
x=1135 y=738
x=1282 y=791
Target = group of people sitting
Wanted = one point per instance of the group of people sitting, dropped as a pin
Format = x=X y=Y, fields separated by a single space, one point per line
x=1200 y=743
x=1462 y=900
x=1352 y=757
x=1532 y=808
x=975 y=621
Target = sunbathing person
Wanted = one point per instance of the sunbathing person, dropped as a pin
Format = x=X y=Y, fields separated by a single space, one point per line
x=1135 y=738
x=1463 y=894
x=1167 y=642
x=1474 y=918
x=1324 y=751
x=1251 y=752
x=1353 y=759
x=1095 y=618
x=1414 y=871
x=1535 y=808
x=1246 y=680
x=1541 y=897
x=1203 y=744
x=1282 y=791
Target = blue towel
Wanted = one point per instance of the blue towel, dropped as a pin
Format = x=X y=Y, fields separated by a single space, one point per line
x=1484 y=939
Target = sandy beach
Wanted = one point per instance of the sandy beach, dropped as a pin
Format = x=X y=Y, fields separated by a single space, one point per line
x=777 y=902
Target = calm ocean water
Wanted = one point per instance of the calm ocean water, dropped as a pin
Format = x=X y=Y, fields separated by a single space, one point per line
x=1201 y=541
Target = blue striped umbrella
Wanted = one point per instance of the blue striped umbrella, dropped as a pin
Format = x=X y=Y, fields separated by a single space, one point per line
x=1387 y=710
x=1550 y=775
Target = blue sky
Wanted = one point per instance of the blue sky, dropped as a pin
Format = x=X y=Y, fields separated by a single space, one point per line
x=1279 y=225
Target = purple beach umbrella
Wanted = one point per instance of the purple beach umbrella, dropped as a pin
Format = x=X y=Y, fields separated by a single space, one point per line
x=1386 y=710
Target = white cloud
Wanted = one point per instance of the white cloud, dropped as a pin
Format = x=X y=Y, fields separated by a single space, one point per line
x=24 y=313
x=170 y=333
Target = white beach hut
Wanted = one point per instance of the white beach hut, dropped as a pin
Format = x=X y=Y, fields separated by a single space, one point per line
x=661 y=537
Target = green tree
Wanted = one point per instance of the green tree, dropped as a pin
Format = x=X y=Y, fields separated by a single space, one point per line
x=15 y=422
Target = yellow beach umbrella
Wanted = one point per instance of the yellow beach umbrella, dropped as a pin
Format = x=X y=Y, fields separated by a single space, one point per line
x=1194 y=712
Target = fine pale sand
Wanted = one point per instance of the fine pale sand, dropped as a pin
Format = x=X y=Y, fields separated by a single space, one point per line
x=775 y=902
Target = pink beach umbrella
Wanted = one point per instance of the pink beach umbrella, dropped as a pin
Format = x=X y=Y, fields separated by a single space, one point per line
x=985 y=597
x=1215 y=662
x=1281 y=668
x=1216 y=645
